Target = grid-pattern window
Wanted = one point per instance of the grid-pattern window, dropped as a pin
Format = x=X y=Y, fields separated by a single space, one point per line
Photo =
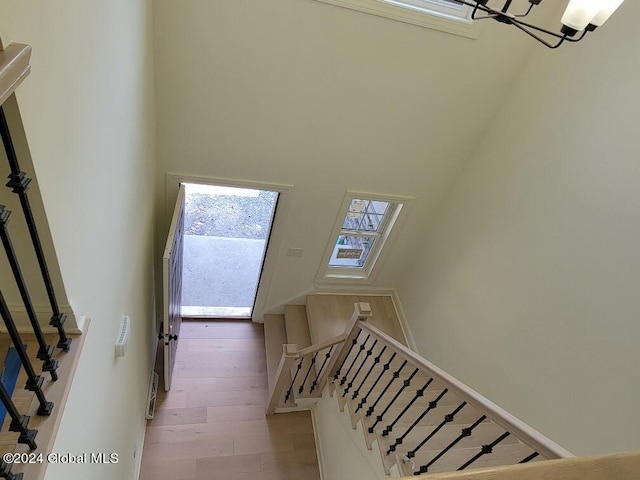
x=363 y=225
x=361 y=236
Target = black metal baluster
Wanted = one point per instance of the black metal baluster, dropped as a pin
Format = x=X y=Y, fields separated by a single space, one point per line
x=288 y=395
x=376 y=361
x=394 y=377
x=311 y=364
x=19 y=182
x=354 y=342
x=447 y=419
x=405 y=384
x=5 y=472
x=34 y=382
x=360 y=350
x=529 y=458
x=466 y=432
x=432 y=404
x=364 y=360
x=385 y=367
x=19 y=422
x=419 y=393
x=319 y=372
x=485 y=450
x=45 y=351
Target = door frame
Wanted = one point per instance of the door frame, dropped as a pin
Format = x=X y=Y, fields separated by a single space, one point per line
x=173 y=180
x=172 y=319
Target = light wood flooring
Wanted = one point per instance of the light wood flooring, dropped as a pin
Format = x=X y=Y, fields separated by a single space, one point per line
x=212 y=425
x=329 y=314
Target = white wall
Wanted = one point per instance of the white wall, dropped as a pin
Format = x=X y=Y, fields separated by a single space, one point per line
x=88 y=114
x=23 y=245
x=325 y=99
x=343 y=451
x=526 y=286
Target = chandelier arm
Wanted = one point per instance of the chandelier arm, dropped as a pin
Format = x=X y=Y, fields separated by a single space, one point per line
x=496 y=15
x=476 y=6
x=475 y=10
x=525 y=14
x=540 y=39
x=539 y=29
x=574 y=40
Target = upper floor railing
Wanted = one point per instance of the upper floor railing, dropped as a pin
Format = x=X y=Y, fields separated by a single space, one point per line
x=14 y=67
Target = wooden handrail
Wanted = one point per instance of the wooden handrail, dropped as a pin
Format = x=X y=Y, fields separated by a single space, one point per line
x=14 y=68
x=513 y=425
x=623 y=466
x=322 y=345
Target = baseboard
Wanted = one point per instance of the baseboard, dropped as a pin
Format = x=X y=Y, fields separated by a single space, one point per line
x=138 y=458
x=319 y=449
x=303 y=408
x=404 y=324
x=352 y=290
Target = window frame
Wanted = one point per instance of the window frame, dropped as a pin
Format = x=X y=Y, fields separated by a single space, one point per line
x=433 y=14
x=391 y=224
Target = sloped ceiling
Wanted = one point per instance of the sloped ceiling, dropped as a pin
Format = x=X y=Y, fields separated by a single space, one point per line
x=325 y=99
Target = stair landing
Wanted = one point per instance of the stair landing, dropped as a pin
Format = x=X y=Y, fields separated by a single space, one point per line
x=329 y=314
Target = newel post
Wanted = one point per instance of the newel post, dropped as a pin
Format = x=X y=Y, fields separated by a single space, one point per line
x=289 y=356
x=361 y=312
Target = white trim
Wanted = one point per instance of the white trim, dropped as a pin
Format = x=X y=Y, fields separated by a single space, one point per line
x=432 y=19
x=300 y=299
x=277 y=227
x=402 y=318
x=319 y=449
x=139 y=449
x=43 y=312
x=333 y=275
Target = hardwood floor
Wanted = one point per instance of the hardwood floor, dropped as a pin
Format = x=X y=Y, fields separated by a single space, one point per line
x=212 y=425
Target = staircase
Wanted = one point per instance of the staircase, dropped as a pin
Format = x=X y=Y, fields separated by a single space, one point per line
x=322 y=320
x=418 y=417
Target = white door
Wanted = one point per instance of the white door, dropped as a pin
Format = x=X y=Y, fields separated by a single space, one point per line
x=172 y=287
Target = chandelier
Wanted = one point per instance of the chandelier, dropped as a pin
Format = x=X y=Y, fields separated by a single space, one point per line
x=580 y=17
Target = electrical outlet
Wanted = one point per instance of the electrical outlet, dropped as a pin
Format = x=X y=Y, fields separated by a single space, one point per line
x=295 y=252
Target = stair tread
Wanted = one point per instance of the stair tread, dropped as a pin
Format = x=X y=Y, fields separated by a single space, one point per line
x=329 y=314
x=297 y=326
x=275 y=336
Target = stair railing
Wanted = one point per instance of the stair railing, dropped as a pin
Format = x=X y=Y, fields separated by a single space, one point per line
x=303 y=373
x=298 y=374
x=14 y=67
x=423 y=419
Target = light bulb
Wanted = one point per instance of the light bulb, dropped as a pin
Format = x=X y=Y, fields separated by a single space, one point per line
x=580 y=13
x=606 y=10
